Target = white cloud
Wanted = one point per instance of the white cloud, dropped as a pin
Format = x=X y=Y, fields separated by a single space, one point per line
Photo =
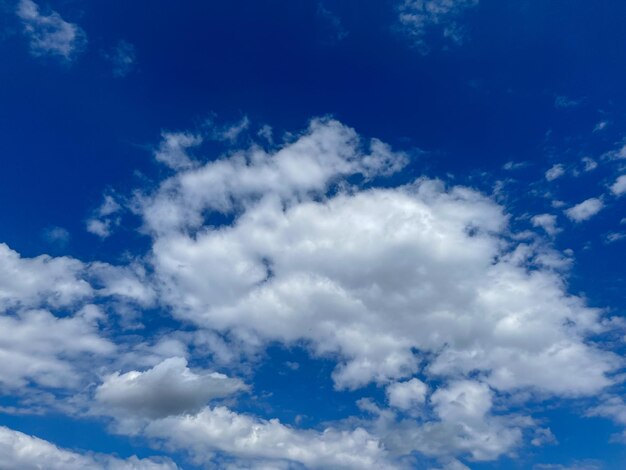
x=389 y=282
x=371 y=275
x=61 y=282
x=50 y=34
x=556 y=171
x=36 y=346
x=222 y=430
x=611 y=407
x=619 y=186
x=418 y=17
x=316 y=159
x=105 y=218
x=464 y=424
x=169 y=388
x=173 y=149
x=377 y=273
x=38 y=281
x=585 y=210
x=617 y=153
x=407 y=395
x=546 y=222
x=24 y=452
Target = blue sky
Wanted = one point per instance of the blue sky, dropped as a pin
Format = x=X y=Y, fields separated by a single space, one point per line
x=312 y=235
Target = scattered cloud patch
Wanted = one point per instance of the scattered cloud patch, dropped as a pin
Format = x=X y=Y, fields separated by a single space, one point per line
x=511 y=166
x=332 y=29
x=57 y=236
x=546 y=222
x=589 y=164
x=123 y=59
x=585 y=210
x=50 y=34
x=563 y=102
x=616 y=154
x=556 y=171
x=619 y=186
x=418 y=18
x=615 y=236
x=600 y=126
x=106 y=217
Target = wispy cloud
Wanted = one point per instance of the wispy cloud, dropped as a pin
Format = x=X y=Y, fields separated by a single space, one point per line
x=123 y=58
x=563 y=102
x=50 y=34
x=332 y=29
x=419 y=17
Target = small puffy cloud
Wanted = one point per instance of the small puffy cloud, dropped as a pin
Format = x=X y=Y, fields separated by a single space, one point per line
x=24 y=452
x=122 y=58
x=585 y=210
x=172 y=150
x=543 y=436
x=169 y=388
x=407 y=395
x=419 y=17
x=556 y=171
x=589 y=164
x=546 y=222
x=105 y=218
x=464 y=400
x=619 y=186
x=49 y=34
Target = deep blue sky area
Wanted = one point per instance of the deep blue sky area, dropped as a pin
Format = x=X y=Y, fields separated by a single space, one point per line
x=491 y=94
